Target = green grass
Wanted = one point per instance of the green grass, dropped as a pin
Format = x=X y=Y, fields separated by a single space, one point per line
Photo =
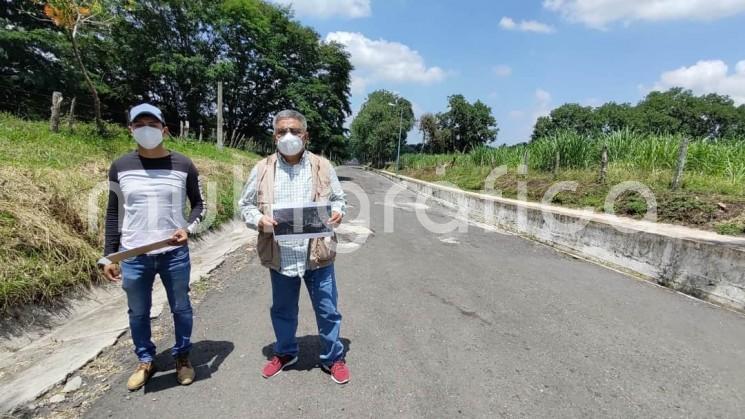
x=46 y=246
x=715 y=173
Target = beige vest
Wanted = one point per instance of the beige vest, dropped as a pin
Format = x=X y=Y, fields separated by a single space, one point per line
x=322 y=251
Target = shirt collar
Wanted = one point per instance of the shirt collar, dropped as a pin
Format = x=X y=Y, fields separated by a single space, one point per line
x=282 y=160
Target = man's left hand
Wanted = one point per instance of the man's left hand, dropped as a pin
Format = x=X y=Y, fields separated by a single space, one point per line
x=179 y=238
x=335 y=219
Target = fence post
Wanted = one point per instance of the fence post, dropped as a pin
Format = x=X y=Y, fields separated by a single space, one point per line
x=603 y=164
x=557 y=163
x=71 y=115
x=56 y=104
x=682 y=154
x=186 y=129
x=219 y=115
x=525 y=160
x=201 y=131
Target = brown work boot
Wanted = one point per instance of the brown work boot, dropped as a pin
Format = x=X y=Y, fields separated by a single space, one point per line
x=144 y=371
x=184 y=371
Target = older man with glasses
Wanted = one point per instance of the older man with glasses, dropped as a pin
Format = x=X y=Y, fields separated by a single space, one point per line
x=295 y=176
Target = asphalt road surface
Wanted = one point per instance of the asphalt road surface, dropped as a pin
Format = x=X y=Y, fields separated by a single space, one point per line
x=463 y=324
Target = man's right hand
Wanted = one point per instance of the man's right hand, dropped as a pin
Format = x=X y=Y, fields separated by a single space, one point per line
x=266 y=224
x=112 y=272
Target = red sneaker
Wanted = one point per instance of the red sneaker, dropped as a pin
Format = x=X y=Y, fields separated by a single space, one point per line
x=277 y=364
x=339 y=372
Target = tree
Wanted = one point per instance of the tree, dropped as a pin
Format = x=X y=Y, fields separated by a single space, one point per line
x=74 y=16
x=277 y=64
x=675 y=111
x=567 y=117
x=167 y=54
x=375 y=130
x=172 y=53
x=467 y=125
x=613 y=117
x=429 y=127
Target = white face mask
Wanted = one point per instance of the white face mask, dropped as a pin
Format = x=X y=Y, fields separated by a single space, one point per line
x=290 y=145
x=148 y=137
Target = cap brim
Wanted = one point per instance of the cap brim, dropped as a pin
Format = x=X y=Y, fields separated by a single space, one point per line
x=145 y=113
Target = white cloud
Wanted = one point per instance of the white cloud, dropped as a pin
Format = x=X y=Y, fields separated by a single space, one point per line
x=599 y=13
x=503 y=70
x=707 y=77
x=381 y=60
x=329 y=8
x=358 y=85
x=544 y=101
x=509 y=24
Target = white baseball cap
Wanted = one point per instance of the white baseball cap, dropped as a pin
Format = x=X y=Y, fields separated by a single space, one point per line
x=146 y=109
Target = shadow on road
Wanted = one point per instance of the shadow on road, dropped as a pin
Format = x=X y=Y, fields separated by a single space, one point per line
x=206 y=357
x=345 y=179
x=310 y=351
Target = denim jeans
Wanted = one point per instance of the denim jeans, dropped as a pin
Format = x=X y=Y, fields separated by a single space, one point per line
x=138 y=275
x=321 y=284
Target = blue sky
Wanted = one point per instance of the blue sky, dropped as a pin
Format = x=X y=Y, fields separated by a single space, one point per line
x=523 y=58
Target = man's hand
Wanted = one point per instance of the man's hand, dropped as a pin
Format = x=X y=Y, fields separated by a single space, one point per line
x=335 y=219
x=179 y=238
x=112 y=272
x=266 y=224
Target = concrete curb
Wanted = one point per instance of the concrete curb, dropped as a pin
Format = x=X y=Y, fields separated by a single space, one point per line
x=703 y=264
x=93 y=323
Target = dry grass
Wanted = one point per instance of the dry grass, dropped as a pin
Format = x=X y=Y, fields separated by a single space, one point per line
x=44 y=246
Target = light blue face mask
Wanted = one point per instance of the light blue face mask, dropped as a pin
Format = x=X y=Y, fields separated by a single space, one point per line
x=148 y=137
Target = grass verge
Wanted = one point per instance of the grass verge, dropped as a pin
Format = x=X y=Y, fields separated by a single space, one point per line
x=712 y=196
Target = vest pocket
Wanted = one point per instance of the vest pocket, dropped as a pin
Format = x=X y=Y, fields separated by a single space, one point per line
x=265 y=248
x=323 y=249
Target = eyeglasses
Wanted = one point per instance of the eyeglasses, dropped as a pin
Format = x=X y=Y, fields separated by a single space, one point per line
x=283 y=131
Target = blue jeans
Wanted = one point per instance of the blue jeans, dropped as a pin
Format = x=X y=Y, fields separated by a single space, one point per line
x=138 y=275
x=321 y=284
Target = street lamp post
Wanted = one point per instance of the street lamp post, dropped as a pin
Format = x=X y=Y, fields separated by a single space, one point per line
x=400 y=128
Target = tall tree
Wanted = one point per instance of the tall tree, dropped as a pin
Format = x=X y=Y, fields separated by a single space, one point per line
x=675 y=111
x=429 y=127
x=276 y=64
x=570 y=117
x=32 y=60
x=375 y=129
x=468 y=125
x=173 y=53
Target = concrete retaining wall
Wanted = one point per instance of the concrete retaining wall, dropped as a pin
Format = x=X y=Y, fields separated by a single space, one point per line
x=700 y=263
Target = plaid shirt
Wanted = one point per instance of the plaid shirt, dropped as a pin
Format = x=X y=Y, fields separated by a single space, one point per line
x=293 y=184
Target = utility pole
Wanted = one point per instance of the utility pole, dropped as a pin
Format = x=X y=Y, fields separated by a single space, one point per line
x=400 y=128
x=219 y=115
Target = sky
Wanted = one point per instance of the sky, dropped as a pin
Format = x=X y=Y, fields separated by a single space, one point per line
x=525 y=57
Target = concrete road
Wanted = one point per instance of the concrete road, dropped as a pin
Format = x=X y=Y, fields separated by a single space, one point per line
x=474 y=324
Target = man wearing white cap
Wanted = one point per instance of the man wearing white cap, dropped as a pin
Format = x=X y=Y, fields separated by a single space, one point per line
x=148 y=189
